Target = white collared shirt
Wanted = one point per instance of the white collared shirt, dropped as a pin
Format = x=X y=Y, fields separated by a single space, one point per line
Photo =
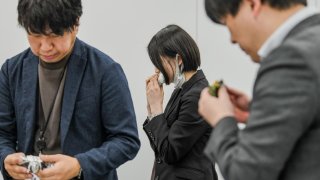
x=278 y=36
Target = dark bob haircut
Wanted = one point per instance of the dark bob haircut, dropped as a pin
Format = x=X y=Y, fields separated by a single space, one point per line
x=39 y=16
x=217 y=9
x=169 y=42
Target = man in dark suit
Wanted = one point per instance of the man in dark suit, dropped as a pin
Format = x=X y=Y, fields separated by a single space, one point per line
x=64 y=99
x=282 y=134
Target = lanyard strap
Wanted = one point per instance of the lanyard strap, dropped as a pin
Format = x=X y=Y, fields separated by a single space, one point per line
x=41 y=143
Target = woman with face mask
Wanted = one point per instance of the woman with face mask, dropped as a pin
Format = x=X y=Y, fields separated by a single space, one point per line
x=177 y=134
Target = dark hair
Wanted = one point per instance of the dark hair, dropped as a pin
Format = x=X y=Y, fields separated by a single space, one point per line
x=37 y=16
x=169 y=42
x=216 y=9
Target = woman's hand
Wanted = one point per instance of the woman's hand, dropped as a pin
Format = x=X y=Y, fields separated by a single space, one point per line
x=155 y=95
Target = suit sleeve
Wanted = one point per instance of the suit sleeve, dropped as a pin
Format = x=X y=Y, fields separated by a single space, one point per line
x=119 y=122
x=172 y=143
x=7 y=120
x=278 y=118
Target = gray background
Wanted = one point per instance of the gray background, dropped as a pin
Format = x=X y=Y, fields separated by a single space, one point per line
x=123 y=28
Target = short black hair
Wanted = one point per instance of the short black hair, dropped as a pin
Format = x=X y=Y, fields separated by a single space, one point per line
x=217 y=9
x=37 y=16
x=169 y=42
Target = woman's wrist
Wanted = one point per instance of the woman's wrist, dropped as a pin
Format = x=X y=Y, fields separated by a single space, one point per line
x=156 y=109
x=150 y=117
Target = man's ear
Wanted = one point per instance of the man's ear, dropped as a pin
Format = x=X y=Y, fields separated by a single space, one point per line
x=256 y=6
x=76 y=29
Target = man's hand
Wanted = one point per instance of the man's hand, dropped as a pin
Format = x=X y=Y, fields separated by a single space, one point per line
x=64 y=167
x=213 y=109
x=12 y=165
x=241 y=103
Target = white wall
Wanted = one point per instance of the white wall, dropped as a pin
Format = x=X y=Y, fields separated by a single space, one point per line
x=123 y=28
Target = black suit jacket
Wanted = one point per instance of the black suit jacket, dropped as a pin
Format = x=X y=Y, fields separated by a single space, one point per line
x=179 y=135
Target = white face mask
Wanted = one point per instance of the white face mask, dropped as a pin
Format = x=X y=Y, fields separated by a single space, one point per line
x=161 y=79
x=179 y=78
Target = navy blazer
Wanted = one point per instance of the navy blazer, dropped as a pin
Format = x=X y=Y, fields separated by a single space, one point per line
x=179 y=135
x=98 y=124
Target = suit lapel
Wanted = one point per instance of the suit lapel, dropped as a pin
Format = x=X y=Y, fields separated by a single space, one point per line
x=75 y=71
x=178 y=93
x=30 y=87
x=175 y=98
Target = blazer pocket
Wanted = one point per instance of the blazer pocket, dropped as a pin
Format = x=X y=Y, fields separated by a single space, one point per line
x=186 y=173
